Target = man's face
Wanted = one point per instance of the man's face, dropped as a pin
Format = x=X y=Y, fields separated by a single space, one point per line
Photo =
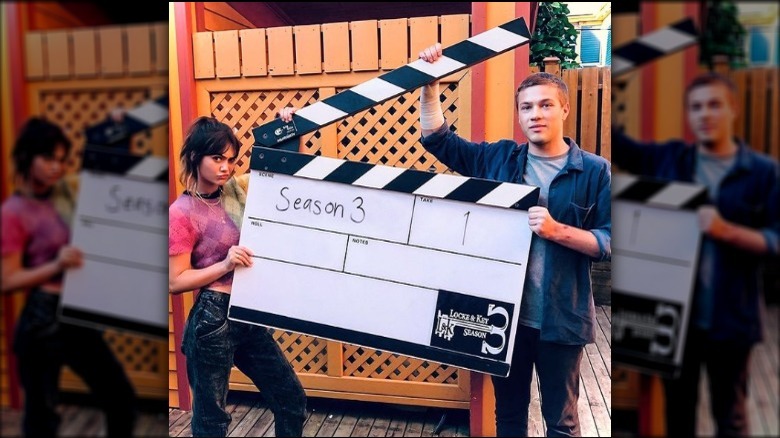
x=711 y=113
x=541 y=113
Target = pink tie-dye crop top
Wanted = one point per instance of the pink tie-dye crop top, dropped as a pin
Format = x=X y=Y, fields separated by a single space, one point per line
x=32 y=227
x=205 y=231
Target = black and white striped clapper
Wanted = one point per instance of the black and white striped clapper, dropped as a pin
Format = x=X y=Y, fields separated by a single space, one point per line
x=394 y=83
x=150 y=114
x=120 y=224
x=655 y=252
x=654 y=45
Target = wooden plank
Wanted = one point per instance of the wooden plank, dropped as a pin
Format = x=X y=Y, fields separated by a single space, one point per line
x=314 y=422
x=335 y=42
x=454 y=28
x=58 y=54
x=415 y=423
x=203 y=54
x=280 y=51
x=381 y=423
x=84 y=53
x=394 y=43
x=263 y=425
x=365 y=45
x=605 y=135
x=331 y=422
x=397 y=426
x=226 y=54
x=535 y=420
x=249 y=420
x=139 y=49
x=161 y=49
x=587 y=422
x=33 y=55
x=589 y=113
x=347 y=425
x=112 y=51
x=740 y=78
x=308 y=49
x=242 y=409
x=571 y=78
x=423 y=31
x=253 y=54
x=596 y=390
x=758 y=110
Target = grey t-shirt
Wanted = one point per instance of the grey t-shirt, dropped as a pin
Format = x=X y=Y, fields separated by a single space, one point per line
x=710 y=171
x=539 y=171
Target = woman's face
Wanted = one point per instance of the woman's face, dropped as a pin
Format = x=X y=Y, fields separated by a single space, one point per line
x=215 y=170
x=47 y=170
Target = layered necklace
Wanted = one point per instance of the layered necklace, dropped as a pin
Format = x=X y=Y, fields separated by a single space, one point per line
x=211 y=200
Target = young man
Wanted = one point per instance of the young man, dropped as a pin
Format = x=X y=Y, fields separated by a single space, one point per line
x=572 y=228
x=741 y=226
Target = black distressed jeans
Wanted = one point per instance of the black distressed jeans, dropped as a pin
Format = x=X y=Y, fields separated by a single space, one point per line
x=43 y=345
x=212 y=344
x=558 y=368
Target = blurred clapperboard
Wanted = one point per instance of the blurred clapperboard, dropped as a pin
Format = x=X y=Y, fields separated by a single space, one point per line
x=656 y=237
x=121 y=225
x=655 y=253
x=415 y=263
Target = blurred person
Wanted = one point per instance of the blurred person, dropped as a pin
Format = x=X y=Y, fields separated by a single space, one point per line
x=203 y=251
x=739 y=229
x=35 y=251
x=572 y=229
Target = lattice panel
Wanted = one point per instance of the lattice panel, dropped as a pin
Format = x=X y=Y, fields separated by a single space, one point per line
x=137 y=353
x=245 y=111
x=76 y=110
x=376 y=364
x=306 y=354
x=390 y=133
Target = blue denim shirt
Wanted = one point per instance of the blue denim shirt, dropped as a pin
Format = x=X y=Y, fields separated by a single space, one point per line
x=579 y=196
x=749 y=195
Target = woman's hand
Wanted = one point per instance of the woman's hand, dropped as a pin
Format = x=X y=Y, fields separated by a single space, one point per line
x=70 y=257
x=238 y=256
x=286 y=113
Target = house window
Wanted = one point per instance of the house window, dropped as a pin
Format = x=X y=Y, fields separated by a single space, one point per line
x=759 y=47
x=590 y=49
x=609 y=47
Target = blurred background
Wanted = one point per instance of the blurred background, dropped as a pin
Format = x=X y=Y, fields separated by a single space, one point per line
x=73 y=63
x=739 y=40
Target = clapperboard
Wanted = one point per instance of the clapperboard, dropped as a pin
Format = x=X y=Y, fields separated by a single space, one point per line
x=121 y=225
x=654 y=45
x=416 y=263
x=655 y=250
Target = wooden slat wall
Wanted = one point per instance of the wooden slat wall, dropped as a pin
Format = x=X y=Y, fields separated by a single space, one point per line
x=97 y=52
x=590 y=103
x=221 y=16
x=385 y=44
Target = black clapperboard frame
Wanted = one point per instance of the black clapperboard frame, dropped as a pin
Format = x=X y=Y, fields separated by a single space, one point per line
x=655 y=254
x=417 y=316
x=653 y=46
x=121 y=225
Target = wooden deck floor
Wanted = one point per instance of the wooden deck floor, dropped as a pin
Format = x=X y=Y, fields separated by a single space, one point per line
x=328 y=417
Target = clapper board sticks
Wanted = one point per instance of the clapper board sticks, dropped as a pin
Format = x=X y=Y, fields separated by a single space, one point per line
x=148 y=115
x=655 y=251
x=654 y=45
x=121 y=225
x=415 y=263
x=402 y=80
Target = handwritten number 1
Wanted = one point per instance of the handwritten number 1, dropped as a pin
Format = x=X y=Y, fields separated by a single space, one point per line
x=465 y=226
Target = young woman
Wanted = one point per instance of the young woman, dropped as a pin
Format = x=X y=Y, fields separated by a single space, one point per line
x=35 y=254
x=203 y=249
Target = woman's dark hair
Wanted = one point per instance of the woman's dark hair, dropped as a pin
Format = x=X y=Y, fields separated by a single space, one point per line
x=38 y=137
x=206 y=136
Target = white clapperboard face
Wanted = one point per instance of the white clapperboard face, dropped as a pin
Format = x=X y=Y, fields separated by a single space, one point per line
x=415 y=263
x=654 y=45
x=655 y=250
x=121 y=225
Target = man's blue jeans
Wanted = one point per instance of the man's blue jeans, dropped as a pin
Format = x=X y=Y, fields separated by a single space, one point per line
x=212 y=344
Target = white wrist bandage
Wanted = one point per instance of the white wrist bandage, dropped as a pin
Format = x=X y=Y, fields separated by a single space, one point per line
x=431 y=116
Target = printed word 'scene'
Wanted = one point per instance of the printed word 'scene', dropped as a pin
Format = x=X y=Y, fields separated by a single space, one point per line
x=357 y=212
